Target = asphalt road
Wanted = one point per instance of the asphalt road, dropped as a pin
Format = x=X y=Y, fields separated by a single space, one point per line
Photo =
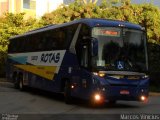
x=13 y=101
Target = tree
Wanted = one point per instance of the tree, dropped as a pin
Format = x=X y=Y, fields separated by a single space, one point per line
x=11 y=25
x=90 y=1
x=74 y=11
x=145 y=14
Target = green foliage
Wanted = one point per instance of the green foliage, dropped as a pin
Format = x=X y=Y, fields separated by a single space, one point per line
x=74 y=11
x=14 y=24
x=145 y=14
x=11 y=25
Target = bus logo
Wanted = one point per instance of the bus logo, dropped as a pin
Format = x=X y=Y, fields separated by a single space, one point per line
x=50 y=57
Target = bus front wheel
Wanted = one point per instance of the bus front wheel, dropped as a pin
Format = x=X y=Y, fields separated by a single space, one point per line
x=67 y=92
x=112 y=102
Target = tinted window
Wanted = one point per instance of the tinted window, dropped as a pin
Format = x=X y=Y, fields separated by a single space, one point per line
x=54 y=39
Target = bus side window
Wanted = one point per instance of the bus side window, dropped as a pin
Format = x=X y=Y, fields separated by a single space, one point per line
x=61 y=39
x=27 y=44
x=10 y=46
x=15 y=46
x=31 y=44
x=41 y=43
x=70 y=31
x=21 y=47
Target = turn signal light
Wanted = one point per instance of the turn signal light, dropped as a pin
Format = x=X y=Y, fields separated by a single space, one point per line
x=99 y=74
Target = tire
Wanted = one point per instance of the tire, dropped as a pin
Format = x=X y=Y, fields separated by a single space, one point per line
x=112 y=102
x=67 y=92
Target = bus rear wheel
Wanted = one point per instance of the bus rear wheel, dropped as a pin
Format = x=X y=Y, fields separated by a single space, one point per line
x=67 y=92
x=15 y=81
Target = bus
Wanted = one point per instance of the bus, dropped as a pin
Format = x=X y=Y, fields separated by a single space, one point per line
x=98 y=60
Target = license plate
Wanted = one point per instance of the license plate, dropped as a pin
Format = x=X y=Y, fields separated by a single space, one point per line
x=124 y=92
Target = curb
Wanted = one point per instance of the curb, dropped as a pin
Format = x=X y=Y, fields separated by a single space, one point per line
x=154 y=94
x=3 y=80
x=6 y=84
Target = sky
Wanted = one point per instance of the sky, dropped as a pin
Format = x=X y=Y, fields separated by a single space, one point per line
x=156 y=2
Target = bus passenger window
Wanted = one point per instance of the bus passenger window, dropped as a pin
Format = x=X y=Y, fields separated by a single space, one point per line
x=53 y=45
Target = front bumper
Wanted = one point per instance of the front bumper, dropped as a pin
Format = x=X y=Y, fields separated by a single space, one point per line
x=126 y=88
x=114 y=93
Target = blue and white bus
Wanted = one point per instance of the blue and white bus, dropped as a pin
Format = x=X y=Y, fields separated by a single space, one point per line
x=93 y=59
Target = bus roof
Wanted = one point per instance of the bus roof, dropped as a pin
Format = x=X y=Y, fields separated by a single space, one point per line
x=91 y=22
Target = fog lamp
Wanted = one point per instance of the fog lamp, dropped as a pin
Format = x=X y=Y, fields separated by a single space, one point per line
x=97 y=97
x=143 y=98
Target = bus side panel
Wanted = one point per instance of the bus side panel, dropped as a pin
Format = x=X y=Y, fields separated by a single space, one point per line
x=69 y=69
x=40 y=73
x=10 y=69
x=79 y=77
x=57 y=84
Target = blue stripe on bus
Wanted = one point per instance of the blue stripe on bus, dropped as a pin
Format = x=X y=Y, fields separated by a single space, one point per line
x=21 y=59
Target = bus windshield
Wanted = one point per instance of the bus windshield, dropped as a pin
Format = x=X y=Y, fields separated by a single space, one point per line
x=120 y=49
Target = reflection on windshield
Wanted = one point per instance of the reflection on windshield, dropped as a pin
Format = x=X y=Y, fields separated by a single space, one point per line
x=120 y=49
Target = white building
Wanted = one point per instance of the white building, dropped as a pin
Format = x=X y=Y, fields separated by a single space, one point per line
x=32 y=8
x=46 y=6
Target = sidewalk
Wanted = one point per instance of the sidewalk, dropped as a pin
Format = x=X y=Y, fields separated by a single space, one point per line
x=5 y=83
x=3 y=80
x=154 y=94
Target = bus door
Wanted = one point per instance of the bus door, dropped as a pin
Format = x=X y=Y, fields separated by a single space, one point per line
x=83 y=56
x=85 y=74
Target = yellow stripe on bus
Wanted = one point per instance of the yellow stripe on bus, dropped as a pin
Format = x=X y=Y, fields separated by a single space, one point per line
x=43 y=71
